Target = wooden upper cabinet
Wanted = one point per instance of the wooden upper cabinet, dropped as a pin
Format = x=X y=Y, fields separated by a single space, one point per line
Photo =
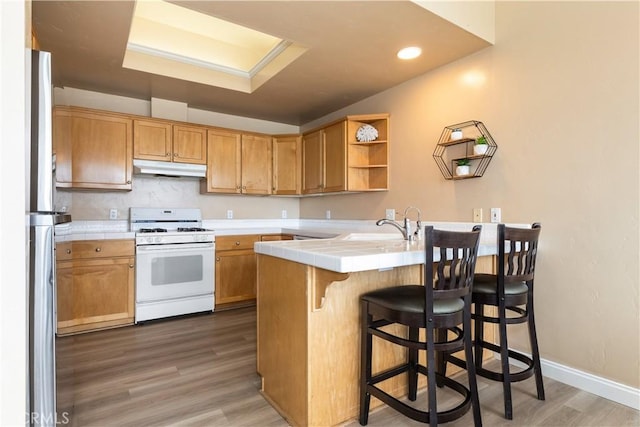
x=165 y=141
x=237 y=163
x=94 y=150
x=152 y=140
x=189 y=144
x=335 y=153
x=223 y=162
x=312 y=162
x=324 y=160
x=287 y=174
x=256 y=163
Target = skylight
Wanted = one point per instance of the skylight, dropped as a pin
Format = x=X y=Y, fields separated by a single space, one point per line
x=173 y=41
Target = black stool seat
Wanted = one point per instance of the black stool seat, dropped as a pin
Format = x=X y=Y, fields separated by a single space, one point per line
x=442 y=307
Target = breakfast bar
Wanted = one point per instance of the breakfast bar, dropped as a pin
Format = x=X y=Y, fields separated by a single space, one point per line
x=308 y=318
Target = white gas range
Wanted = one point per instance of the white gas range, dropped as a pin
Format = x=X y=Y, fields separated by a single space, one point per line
x=175 y=262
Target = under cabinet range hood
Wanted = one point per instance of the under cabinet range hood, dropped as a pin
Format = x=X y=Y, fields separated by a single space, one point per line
x=152 y=167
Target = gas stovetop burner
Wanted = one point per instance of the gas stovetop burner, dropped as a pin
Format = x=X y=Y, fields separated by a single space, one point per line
x=152 y=230
x=186 y=229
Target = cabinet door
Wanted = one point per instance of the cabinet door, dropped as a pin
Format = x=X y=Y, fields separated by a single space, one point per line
x=93 y=150
x=256 y=164
x=223 y=162
x=152 y=140
x=312 y=162
x=235 y=276
x=94 y=294
x=286 y=165
x=335 y=158
x=189 y=144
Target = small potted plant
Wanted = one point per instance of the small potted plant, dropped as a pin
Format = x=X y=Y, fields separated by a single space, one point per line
x=456 y=134
x=462 y=167
x=481 y=146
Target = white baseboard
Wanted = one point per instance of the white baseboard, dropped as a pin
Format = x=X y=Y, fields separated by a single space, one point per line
x=599 y=386
x=590 y=383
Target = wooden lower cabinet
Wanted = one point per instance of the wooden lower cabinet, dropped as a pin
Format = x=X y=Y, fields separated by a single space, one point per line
x=95 y=285
x=236 y=269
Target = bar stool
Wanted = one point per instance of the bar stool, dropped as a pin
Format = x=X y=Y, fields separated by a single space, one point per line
x=511 y=292
x=442 y=305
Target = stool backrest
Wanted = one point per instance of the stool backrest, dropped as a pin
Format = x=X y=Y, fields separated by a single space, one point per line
x=452 y=275
x=517 y=251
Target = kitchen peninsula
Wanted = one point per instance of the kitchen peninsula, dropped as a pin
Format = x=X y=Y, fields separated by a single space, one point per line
x=308 y=317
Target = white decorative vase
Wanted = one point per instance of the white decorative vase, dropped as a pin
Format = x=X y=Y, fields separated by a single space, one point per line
x=480 y=149
x=456 y=134
x=462 y=170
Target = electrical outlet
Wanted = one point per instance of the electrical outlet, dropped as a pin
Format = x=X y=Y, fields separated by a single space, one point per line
x=477 y=214
x=390 y=214
x=229 y=214
x=113 y=213
x=284 y=214
x=496 y=214
x=328 y=214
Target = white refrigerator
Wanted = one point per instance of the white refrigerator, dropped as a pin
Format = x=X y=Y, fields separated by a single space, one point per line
x=41 y=298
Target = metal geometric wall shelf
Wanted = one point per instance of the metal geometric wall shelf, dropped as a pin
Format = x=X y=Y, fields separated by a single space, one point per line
x=449 y=149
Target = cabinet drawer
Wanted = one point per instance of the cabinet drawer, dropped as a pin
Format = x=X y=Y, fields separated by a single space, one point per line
x=94 y=249
x=245 y=241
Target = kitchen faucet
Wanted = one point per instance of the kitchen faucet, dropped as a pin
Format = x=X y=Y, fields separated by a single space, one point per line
x=405 y=229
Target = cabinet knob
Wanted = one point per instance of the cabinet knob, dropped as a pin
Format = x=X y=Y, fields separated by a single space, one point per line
x=218 y=258
x=129 y=182
x=68 y=251
x=98 y=249
x=237 y=243
x=167 y=154
x=130 y=265
x=175 y=155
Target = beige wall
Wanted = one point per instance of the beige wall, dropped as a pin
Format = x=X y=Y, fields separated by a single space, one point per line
x=559 y=93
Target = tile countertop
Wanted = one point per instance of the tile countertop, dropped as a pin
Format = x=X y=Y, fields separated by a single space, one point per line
x=370 y=250
x=339 y=245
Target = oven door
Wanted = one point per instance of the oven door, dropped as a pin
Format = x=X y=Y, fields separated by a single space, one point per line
x=174 y=271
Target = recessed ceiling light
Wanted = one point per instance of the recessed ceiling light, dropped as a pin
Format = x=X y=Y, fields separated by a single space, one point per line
x=409 y=52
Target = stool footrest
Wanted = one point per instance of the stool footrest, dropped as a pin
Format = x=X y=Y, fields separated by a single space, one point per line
x=423 y=416
x=521 y=375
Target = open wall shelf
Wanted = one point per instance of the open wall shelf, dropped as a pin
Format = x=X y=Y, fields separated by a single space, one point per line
x=448 y=150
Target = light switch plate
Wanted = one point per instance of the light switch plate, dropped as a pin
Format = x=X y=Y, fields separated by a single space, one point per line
x=113 y=213
x=390 y=214
x=229 y=214
x=496 y=214
x=477 y=214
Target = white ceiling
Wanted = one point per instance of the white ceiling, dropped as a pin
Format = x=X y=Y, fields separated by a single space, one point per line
x=351 y=54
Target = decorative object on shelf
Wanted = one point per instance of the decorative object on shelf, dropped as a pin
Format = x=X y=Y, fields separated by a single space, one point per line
x=462 y=168
x=481 y=146
x=475 y=138
x=366 y=133
x=456 y=134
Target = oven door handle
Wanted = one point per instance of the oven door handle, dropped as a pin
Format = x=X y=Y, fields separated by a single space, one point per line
x=149 y=249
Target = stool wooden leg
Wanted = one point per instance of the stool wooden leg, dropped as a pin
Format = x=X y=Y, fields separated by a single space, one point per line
x=471 y=370
x=365 y=362
x=431 y=373
x=504 y=356
x=414 y=334
x=533 y=338
x=478 y=333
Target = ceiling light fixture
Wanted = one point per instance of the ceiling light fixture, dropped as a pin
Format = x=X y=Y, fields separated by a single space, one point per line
x=409 y=52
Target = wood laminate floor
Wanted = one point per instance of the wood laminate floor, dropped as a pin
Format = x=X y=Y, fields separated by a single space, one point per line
x=200 y=371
